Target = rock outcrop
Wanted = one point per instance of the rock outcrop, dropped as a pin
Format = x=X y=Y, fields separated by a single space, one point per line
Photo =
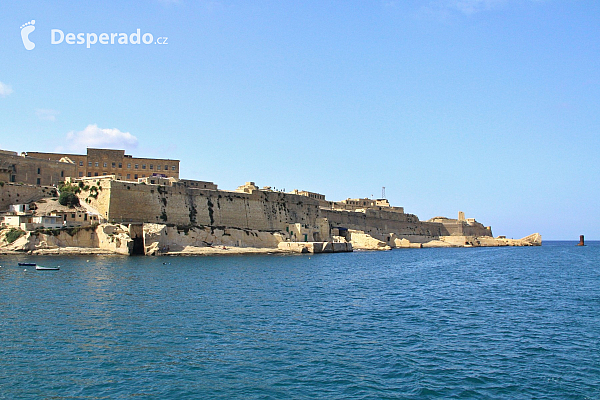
x=106 y=237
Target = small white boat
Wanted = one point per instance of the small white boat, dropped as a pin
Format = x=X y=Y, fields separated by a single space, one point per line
x=41 y=268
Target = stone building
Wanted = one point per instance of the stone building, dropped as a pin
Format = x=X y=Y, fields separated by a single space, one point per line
x=5 y=173
x=312 y=195
x=463 y=226
x=248 y=187
x=365 y=203
x=33 y=170
x=197 y=184
x=101 y=162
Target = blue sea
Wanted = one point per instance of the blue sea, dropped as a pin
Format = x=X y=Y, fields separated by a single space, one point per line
x=472 y=323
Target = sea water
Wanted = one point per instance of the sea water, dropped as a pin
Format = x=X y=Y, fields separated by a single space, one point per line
x=469 y=323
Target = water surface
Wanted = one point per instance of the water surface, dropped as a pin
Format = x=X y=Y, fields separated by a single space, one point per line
x=475 y=323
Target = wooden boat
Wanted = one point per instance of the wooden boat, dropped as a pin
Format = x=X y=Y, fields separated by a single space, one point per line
x=27 y=264
x=41 y=268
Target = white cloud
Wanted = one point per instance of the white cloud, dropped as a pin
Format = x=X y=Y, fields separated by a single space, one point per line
x=95 y=137
x=5 y=89
x=46 y=114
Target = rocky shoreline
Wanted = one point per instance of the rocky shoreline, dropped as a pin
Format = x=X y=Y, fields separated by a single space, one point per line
x=192 y=251
x=159 y=239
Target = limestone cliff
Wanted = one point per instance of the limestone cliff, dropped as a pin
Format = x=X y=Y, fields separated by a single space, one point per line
x=107 y=237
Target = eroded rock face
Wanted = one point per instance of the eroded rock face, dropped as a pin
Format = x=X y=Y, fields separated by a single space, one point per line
x=160 y=238
x=316 y=247
x=486 y=241
x=363 y=241
x=113 y=238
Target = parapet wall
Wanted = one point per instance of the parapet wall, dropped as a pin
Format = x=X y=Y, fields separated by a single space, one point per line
x=16 y=193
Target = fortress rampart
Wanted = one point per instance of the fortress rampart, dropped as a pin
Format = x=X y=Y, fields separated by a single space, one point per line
x=126 y=202
x=148 y=218
x=261 y=210
x=17 y=193
x=161 y=210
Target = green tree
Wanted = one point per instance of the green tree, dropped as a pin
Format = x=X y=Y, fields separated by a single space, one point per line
x=68 y=199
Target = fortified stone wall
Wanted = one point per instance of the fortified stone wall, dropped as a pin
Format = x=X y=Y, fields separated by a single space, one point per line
x=125 y=202
x=461 y=228
x=261 y=210
x=14 y=193
x=380 y=224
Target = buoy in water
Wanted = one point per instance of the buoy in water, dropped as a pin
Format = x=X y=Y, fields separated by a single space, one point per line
x=581 y=241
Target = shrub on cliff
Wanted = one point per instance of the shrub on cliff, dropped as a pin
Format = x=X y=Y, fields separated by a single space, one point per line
x=69 y=188
x=13 y=235
x=68 y=199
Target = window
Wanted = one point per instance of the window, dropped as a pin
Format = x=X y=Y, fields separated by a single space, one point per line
x=120 y=165
x=128 y=176
x=143 y=176
x=114 y=165
x=39 y=171
x=89 y=163
x=81 y=174
x=96 y=164
x=38 y=181
x=81 y=163
x=95 y=174
x=89 y=174
x=151 y=166
x=129 y=166
x=62 y=174
x=143 y=166
x=136 y=166
x=158 y=167
x=135 y=176
x=173 y=168
x=152 y=181
x=104 y=165
x=73 y=216
x=166 y=167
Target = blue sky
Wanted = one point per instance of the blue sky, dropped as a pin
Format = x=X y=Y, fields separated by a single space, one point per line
x=485 y=106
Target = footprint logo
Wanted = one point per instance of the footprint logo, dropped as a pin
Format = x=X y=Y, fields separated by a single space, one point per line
x=26 y=29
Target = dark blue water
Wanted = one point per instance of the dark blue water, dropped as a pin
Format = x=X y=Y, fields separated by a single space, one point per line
x=497 y=323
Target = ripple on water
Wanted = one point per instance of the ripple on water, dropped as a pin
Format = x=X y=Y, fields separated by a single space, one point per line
x=435 y=323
